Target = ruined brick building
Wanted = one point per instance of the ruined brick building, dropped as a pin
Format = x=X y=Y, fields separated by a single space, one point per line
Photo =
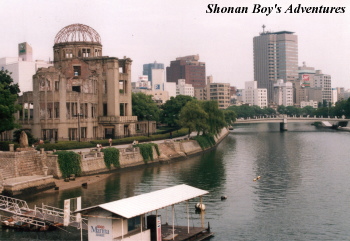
x=85 y=95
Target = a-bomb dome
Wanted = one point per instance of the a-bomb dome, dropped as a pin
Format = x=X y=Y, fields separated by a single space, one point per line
x=77 y=33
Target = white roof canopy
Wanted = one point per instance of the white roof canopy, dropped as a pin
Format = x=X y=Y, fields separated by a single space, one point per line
x=145 y=203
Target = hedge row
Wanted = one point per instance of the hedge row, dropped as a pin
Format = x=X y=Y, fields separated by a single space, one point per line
x=65 y=145
x=4 y=145
x=69 y=145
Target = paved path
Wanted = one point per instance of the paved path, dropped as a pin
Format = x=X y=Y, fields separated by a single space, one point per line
x=127 y=145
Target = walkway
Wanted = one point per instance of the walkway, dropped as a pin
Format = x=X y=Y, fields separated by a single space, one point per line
x=122 y=146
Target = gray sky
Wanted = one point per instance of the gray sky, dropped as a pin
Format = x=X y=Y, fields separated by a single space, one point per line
x=161 y=30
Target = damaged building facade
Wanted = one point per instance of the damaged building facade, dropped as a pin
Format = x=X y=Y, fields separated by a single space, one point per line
x=84 y=95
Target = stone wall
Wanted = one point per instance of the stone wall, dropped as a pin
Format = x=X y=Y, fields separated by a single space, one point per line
x=23 y=163
x=14 y=164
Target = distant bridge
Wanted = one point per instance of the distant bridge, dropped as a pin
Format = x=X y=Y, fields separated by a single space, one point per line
x=284 y=120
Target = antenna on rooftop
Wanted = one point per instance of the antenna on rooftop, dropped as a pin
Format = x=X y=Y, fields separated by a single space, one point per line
x=263 y=28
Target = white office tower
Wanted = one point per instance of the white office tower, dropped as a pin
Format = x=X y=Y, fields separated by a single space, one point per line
x=253 y=95
x=23 y=67
x=158 y=79
x=283 y=93
x=184 y=89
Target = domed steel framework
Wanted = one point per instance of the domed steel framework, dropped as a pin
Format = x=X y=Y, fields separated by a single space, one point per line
x=77 y=33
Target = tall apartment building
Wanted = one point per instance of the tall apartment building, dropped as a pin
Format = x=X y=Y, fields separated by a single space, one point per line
x=323 y=81
x=188 y=68
x=147 y=69
x=275 y=57
x=23 y=67
x=84 y=95
x=158 y=81
x=283 y=93
x=253 y=95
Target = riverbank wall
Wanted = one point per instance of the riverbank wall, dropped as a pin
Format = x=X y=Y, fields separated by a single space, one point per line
x=93 y=162
x=24 y=164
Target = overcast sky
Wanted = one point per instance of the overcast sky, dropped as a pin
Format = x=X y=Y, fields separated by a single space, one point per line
x=161 y=30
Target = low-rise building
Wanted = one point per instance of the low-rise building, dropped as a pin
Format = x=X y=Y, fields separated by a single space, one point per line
x=184 y=89
x=85 y=95
x=283 y=93
x=253 y=95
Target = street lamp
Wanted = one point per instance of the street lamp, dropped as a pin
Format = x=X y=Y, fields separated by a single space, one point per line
x=79 y=129
x=148 y=123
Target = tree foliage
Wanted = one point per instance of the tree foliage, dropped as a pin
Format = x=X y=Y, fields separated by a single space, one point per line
x=172 y=108
x=246 y=111
x=193 y=117
x=8 y=97
x=216 y=118
x=230 y=117
x=144 y=107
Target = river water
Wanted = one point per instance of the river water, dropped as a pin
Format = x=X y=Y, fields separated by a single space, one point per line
x=303 y=192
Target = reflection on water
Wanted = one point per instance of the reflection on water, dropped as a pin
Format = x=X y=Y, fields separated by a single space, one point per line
x=303 y=192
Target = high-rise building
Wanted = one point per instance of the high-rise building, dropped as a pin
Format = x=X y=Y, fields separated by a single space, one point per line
x=189 y=69
x=323 y=81
x=147 y=69
x=275 y=57
x=158 y=79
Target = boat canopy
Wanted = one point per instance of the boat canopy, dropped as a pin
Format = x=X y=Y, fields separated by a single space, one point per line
x=148 y=202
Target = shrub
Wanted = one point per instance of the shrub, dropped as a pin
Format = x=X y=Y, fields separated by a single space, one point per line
x=146 y=151
x=205 y=141
x=65 y=145
x=17 y=134
x=69 y=163
x=4 y=145
x=111 y=156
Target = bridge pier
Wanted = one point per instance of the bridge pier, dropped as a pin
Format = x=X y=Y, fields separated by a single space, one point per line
x=284 y=125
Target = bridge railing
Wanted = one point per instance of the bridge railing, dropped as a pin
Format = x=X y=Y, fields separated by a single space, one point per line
x=13 y=205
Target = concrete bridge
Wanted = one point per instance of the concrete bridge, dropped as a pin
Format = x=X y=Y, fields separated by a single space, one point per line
x=284 y=120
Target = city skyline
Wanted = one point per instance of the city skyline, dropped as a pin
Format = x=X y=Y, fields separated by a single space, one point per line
x=162 y=31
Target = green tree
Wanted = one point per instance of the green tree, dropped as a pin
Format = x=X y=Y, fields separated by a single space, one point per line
x=144 y=107
x=172 y=108
x=8 y=99
x=216 y=118
x=281 y=109
x=269 y=111
x=342 y=108
x=242 y=111
x=307 y=110
x=292 y=110
x=193 y=117
x=230 y=117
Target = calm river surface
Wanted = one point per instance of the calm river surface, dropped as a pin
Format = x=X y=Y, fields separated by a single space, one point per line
x=303 y=193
